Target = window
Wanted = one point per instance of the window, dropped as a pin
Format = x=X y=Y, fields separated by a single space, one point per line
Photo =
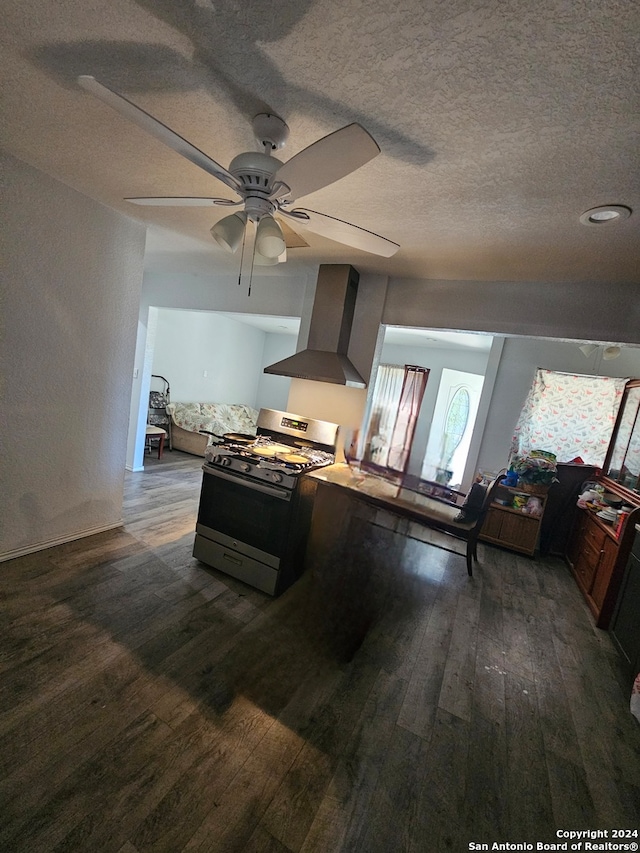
x=455 y=424
x=569 y=415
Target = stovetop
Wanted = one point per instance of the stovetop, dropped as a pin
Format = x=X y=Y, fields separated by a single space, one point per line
x=279 y=462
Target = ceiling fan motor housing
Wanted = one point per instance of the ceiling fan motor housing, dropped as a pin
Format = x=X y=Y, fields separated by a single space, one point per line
x=255 y=172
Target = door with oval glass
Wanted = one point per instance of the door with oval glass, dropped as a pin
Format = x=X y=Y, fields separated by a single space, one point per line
x=452 y=426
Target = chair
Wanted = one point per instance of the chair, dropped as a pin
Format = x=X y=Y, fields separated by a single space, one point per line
x=460 y=521
x=157 y=415
x=155 y=433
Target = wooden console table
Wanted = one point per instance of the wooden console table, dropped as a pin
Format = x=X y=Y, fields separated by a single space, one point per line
x=509 y=526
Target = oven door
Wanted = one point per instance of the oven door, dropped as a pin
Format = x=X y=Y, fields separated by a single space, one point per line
x=251 y=516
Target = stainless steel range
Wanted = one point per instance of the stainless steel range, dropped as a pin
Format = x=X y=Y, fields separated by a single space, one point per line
x=255 y=505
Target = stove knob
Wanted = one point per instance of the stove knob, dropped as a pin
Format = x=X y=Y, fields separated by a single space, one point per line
x=277 y=477
x=245 y=467
x=225 y=461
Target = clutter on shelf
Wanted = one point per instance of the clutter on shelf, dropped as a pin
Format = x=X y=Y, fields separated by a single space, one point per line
x=534 y=471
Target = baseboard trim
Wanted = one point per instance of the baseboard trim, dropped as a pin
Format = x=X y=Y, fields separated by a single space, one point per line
x=60 y=540
x=135 y=470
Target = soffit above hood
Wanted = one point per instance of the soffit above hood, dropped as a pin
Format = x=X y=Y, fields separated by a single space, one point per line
x=325 y=358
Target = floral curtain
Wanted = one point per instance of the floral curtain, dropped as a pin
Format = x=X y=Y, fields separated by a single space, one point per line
x=570 y=415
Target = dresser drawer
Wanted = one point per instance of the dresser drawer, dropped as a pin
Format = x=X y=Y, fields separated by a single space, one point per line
x=594 y=535
x=587 y=564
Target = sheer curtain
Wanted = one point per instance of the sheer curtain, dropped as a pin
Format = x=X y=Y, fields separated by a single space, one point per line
x=413 y=387
x=570 y=415
x=384 y=409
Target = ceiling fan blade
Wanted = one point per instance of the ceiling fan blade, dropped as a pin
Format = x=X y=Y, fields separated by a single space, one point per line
x=343 y=232
x=327 y=160
x=156 y=128
x=182 y=201
x=292 y=239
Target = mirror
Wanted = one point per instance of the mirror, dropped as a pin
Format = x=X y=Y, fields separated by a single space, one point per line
x=623 y=459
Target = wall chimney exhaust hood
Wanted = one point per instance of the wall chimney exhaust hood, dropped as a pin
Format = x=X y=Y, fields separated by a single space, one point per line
x=325 y=359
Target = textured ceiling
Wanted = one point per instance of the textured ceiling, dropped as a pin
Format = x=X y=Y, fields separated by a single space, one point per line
x=500 y=122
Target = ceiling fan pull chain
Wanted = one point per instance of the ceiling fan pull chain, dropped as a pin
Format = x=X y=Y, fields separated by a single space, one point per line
x=250 y=281
x=248 y=253
x=244 y=240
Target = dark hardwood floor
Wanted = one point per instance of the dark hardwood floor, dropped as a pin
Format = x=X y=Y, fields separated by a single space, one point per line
x=149 y=704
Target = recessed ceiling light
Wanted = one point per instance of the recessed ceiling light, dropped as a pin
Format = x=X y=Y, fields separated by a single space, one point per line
x=608 y=214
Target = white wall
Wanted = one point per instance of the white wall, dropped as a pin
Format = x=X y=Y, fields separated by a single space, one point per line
x=273 y=391
x=72 y=273
x=189 y=344
x=326 y=402
x=278 y=293
x=233 y=354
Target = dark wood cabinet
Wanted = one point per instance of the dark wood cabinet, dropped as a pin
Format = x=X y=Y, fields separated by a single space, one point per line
x=597 y=557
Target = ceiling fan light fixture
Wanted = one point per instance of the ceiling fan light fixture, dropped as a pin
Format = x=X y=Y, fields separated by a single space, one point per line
x=260 y=260
x=608 y=214
x=228 y=232
x=270 y=239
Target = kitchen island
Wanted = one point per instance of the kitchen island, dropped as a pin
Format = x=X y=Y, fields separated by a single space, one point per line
x=357 y=546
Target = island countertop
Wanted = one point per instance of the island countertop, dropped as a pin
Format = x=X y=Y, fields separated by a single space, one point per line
x=375 y=490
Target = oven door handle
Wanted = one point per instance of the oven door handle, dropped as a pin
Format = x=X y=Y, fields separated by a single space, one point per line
x=265 y=488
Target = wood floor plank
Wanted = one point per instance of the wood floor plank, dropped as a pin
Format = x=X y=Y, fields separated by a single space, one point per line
x=343 y=814
x=393 y=807
x=456 y=694
x=178 y=815
x=446 y=757
x=423 y=692
x=528 y=795
x=121 y=768
x=298 y=798
x=570 y=796
x=485 y=815
x=554 y=703
x=239 y=808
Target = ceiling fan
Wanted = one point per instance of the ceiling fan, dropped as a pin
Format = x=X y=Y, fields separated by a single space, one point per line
x=266 y=186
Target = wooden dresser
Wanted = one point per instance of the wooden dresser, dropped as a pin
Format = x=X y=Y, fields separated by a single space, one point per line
x=596 y=552
x=597 y=558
